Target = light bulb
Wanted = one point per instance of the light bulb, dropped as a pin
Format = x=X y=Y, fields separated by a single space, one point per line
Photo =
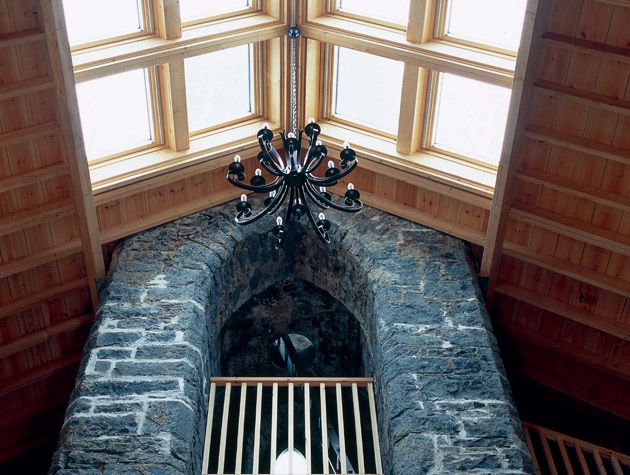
x=311 y=120
x=318 y=142
x=243 y=198
x=237 y=158
x=322 y=189
x=346 y=144
x=350 y=186
x=272 y=194
x=279 y=221
x=331 y=164
x=322 y=216
x=291 y=135
x=266 y=125
x=258 y=172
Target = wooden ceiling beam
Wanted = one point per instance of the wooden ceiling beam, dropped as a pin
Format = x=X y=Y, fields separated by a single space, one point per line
x=578 y=144
x=21 y=37
x=14 y=382
x=27 y=86
x=36 y=215
x=591 y=99
x=562 y=309
x=28 y=133
x=593 y=48
x=33 y=176
x=573 y=228
x=7 y=309
x=579 y=190
x=568 y=269
x=563 y=348
x=33 y=339
x=38 y=258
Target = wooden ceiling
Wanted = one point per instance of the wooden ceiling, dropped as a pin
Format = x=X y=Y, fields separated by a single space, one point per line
x=556 y=237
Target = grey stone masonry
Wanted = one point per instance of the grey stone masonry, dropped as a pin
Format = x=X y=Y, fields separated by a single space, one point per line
x=444 y=403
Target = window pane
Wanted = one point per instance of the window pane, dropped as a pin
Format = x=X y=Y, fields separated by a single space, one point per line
x=196 y=9
x=92 y=20
x=492 y=22
x=219 y=87
x=367 y=89
x=470 y=117
x=116 y=113
x=395 y=11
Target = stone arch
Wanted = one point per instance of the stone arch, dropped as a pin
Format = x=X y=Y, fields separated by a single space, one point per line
x=444 y=402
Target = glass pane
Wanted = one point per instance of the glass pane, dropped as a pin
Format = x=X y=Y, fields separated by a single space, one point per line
x=116 y=113
x=219 y=87
x=196 y=9
x=367 y=89
x=93 y=20
x=493 y=22
x=396 y=11
x=470 y=117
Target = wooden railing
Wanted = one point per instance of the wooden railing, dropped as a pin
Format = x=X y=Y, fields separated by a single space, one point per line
x=322 y=425
x=554 y=453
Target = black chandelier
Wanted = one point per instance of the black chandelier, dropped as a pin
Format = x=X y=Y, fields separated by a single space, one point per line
x=294 y=176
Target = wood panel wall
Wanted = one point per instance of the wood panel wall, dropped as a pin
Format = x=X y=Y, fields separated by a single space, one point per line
x=563 y=281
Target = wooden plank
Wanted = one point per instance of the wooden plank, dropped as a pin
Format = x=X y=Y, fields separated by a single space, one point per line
x=29 y=133
x=24 y=87
x=374 y=427
x=274 y=428
x=421 y=20
x=324 y=427
x=588 y=98
x=307 y=426
x=567 y=268
x=528 y=439
x=573 y=228
x=578 y=144
x=168 y=19
x=35 y=215
x=284 y=381
x=19 y=380
x=357 y=428
x=208 y=439
x=33 y=339
x=13 y=266
x=342 y=435
x=593 y=48
x=569 y=312
x=290 y=425
x=616 y=465
x=174 y=106
x=33 y=176
x=565 y=456
x=224 y=427
x=598 y=461
x=580 y=190
x=241 y=426
x=68 y=115
x=583 y=464
x=548 y=457
x=8 y=309
x=21 y=37
x=256 y=460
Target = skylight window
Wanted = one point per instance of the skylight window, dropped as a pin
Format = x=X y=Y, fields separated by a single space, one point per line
x=495 y=23
x=219 y=87
x=367 y=89
x=470 y=118
x=116 y=113
x=90 y=21
x=395 y=11
x=192 y=10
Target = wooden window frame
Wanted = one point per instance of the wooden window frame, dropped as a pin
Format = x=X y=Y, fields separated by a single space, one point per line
x=164 y=53
x=148 y=29
x=256 y=6
x=333 y=9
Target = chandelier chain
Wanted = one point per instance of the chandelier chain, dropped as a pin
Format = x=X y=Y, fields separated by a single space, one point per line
x=293 y=87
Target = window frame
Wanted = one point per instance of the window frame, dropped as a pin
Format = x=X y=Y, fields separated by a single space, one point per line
x=148 y=29
x=255 y=6
x=157 y=125
x=332 y=8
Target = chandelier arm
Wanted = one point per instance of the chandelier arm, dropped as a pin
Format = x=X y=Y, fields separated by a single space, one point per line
x=267 y=210
x=271 y=168
x=316 y=163
x=287 y=217
x=272 y=153
x=274 y=185
x=357 y=205
x=322 y=234
x=315 y=196
x=333 y=179
x=278 y=200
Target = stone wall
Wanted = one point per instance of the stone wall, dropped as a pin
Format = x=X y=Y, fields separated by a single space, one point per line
x=443 y=400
